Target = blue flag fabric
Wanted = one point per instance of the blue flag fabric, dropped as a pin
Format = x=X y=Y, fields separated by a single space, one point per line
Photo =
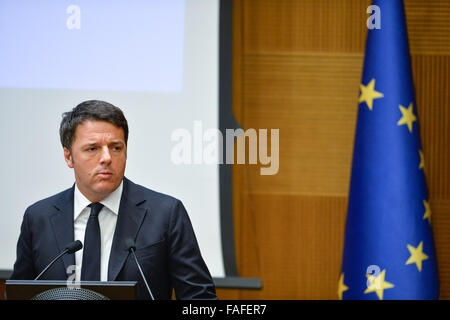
x=389 y=249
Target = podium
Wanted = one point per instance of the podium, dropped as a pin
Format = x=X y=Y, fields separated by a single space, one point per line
x=63 y=290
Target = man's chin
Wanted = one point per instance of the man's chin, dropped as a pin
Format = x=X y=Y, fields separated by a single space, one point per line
x=106 y=187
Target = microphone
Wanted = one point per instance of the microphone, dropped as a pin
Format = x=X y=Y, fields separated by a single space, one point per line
x=132 y=248
x=70 y=248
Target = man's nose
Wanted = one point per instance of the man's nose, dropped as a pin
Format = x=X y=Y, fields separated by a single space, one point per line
x=105 y=156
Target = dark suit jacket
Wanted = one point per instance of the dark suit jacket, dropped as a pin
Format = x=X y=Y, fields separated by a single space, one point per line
x=166 y=246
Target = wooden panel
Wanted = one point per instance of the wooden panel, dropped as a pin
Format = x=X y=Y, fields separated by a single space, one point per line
x=297 y=67
x=2 y=289
x=312 y=100
x=428 y=26
x=295 y=244
x=336 y=26
x=441 y=231
x=228 y=294
x=432 y=82
x=307 y=25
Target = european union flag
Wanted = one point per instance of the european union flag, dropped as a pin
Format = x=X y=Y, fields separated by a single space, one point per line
x=389 y=250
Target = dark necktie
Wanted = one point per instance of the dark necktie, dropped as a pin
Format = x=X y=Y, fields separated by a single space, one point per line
x=90 y=269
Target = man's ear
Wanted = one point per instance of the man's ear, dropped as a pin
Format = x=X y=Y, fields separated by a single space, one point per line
x=68 y=157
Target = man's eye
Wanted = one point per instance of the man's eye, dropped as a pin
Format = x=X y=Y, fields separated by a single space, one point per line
x=117 y=148
x=92 y=149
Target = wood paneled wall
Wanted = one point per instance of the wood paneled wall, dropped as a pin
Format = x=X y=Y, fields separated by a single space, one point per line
x=297 y=66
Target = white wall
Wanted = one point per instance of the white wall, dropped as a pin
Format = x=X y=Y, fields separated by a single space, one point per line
x=38 y=84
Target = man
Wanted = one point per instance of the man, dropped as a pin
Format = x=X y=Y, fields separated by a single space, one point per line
x=104 y=210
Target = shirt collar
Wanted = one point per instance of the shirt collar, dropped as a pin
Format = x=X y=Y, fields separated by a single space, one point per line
x=112 y=201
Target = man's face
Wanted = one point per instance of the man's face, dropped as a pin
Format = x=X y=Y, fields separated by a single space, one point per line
x=98 y=158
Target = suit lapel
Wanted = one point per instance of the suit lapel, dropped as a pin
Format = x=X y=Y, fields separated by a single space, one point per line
x=128 y=224
x=62 y=223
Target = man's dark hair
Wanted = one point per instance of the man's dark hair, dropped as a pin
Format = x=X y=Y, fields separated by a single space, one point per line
x=94 y=110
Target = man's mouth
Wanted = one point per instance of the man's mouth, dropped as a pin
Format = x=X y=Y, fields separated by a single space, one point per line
x=104 y=174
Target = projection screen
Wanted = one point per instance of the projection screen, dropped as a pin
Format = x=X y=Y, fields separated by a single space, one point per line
x=156 y=60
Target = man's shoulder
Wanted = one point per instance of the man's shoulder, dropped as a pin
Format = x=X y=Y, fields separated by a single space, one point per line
x=51 y=201
x=151 y=196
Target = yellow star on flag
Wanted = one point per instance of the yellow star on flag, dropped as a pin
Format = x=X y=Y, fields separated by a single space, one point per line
x=368 y=94
x=408 y=117
x=377 y=284
x=427 y=214
x=422 y=160
x=341 y=286
x=417 y=255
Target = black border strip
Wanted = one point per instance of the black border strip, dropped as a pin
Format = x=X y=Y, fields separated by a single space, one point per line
x=5 y=274
x=238 y=283
x=226 y=120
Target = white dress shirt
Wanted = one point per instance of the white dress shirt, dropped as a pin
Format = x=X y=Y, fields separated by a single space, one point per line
x=107 y=219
